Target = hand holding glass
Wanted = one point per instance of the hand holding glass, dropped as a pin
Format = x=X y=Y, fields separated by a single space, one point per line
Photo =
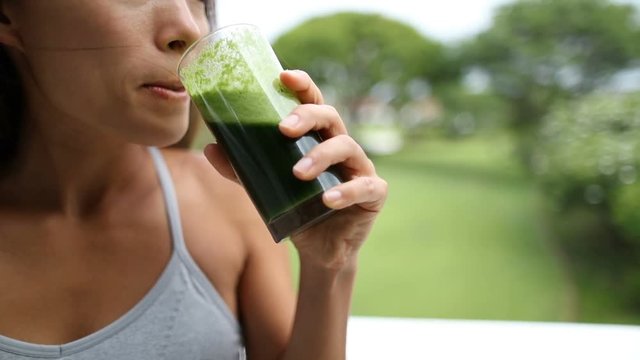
x=233 y=77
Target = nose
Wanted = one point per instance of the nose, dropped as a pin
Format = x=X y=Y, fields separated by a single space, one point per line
x=179 y=26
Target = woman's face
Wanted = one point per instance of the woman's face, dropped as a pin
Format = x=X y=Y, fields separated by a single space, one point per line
x=110 y=63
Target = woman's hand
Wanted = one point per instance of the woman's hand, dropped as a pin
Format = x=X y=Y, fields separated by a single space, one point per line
x=334 y=242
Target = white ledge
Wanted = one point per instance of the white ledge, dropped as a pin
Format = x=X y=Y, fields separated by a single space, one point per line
x=403 y=338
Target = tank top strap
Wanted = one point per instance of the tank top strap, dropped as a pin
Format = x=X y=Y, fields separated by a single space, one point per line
x=179 y=246
x=170 y=199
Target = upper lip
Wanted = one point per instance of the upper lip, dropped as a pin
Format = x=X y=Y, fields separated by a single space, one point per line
x=173 y=85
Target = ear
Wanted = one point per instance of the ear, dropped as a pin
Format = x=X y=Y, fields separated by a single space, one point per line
x=8 y=33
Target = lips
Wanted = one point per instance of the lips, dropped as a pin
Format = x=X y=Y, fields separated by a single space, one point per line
x=166 y=89
x=169 y=85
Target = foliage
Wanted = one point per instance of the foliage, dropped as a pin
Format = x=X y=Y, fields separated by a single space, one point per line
x=587 y=159
x=358 y=55
x=468 y=112
x=539 y=51
x=588 y=148
x=626 y=210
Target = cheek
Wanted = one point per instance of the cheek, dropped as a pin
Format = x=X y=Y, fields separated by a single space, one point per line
x=73 y=55
x=71 y=81
x=94 y=89
x=88 y=70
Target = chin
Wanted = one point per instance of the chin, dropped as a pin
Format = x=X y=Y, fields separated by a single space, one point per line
x=159 y=135
x=165 y=139
x=154 y=126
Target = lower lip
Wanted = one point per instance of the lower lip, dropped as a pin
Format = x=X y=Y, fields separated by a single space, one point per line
x=166 y=93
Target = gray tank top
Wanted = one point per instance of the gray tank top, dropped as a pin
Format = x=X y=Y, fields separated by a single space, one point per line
x=181 y=317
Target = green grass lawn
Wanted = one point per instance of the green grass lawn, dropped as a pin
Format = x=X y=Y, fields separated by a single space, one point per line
x=460 y=238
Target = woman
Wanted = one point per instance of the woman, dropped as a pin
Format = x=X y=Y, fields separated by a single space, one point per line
x=113 y=249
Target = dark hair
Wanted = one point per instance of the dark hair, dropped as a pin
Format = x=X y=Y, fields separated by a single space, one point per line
x=11 y=111
x=12 y=105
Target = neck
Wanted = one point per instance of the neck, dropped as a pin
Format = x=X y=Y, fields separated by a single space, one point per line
x=71 y=169
x=71 y=166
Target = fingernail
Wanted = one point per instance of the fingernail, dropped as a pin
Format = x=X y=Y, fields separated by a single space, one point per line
x=303 y=165
x=333 y=195
x=290 y=121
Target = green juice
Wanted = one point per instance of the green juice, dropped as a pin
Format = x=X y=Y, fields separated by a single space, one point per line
x=263 y=159
x=234 y=81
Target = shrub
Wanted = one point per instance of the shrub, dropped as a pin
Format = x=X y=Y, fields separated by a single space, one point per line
x=626 y=211
x=586 y=158
x=588 y=150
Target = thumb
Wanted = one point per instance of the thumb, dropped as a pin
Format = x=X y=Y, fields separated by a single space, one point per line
x=217 y=157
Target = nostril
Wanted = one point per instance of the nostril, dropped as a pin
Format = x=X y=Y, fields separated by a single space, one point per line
x=177 y=45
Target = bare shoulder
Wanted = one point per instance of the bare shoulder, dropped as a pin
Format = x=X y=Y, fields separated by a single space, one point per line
x=194 y=169
x=222 y=230
x=250 y=271
x=221 y=203
x=199 y=182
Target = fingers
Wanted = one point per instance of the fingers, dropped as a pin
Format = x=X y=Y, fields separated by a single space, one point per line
x=341 y=149
x=368 y=192
x=312 y=115
x=302 y=85
x=322 y=118
x=218 y=159
x=363 y=187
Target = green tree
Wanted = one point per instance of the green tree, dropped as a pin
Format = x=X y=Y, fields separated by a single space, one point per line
x=537 y=52
x=587 y=162
x=355 y=54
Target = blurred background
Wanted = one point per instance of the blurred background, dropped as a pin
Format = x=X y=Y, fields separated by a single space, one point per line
x=509 y=132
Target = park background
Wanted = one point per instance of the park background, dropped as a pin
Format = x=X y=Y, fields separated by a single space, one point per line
x=509 y=134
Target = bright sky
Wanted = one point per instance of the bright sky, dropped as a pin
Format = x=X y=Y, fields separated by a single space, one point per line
x=447 y=20
x=441 y=20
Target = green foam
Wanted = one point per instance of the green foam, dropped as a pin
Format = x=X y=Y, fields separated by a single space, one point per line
x=236 y=78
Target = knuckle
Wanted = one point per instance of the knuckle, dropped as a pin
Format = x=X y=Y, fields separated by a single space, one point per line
x=330 y=109
x=333 y=116
x=302 y=73
x=384 y=189
x=385 y=185
x=349 y=142
x=347 y=148
x=369 y=185
x=318 y=153
x=302 y=110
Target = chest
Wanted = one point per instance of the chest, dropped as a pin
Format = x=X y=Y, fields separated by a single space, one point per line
x=68 y=281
